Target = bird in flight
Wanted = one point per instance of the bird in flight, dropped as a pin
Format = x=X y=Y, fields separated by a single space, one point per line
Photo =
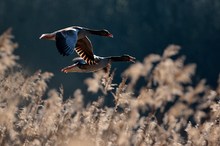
x=79 y=64
x=76 y=38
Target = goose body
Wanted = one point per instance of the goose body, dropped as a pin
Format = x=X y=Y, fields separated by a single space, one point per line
x=79 y=65
x=76 y=39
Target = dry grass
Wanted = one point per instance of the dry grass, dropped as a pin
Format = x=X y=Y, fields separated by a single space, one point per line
x=167 y=110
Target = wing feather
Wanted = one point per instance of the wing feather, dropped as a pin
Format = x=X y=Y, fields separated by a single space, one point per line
x=66 y=41
x=84 y=50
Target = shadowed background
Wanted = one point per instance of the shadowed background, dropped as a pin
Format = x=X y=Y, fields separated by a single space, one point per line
x=139 y=28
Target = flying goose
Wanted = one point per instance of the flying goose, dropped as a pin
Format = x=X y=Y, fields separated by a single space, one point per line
x=76 y=38
x=79 y=64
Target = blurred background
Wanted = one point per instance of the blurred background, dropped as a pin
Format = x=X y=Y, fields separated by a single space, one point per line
x=139 y=27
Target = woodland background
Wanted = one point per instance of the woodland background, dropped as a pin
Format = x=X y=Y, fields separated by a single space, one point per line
x=139 y=27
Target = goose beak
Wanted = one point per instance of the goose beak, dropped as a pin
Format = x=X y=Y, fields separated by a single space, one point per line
x=110 y=35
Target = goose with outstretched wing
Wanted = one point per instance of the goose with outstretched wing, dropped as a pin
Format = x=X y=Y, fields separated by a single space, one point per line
x=80 y=64
x=76 y=39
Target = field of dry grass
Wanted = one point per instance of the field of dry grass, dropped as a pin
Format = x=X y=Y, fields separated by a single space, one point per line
x=167 y=110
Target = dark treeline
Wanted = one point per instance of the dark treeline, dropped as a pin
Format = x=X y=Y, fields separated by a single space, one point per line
x=139 y=27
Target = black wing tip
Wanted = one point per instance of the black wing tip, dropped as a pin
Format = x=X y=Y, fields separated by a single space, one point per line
x=64 y=53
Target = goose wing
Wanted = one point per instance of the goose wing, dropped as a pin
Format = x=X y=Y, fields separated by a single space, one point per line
x=66 y=41
x=84 y=50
